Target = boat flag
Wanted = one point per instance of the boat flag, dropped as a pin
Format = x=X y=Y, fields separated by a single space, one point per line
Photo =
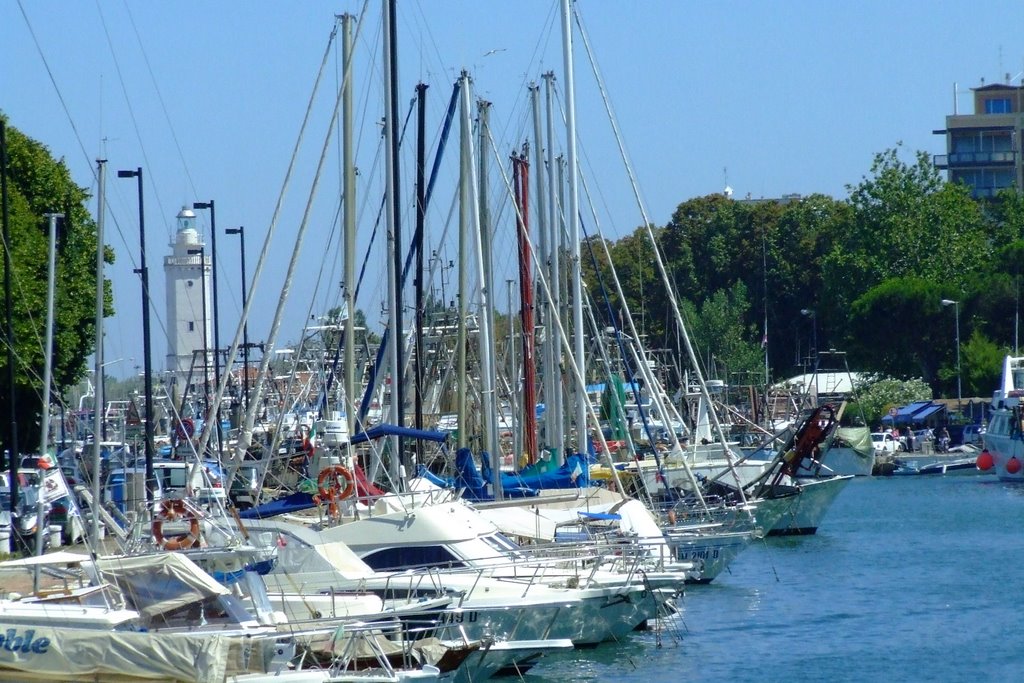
x=576 y=472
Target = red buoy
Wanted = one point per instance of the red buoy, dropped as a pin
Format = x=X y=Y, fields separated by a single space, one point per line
x=1013 y=465
x=985 y=461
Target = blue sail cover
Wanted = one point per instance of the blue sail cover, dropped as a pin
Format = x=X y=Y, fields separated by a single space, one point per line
x=574 y=473
x=476 y=486
x=290 y=503
x=383 y=430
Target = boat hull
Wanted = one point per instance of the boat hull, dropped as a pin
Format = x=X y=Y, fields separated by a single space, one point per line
x=843 y=460
x=712 y=552
x=810 y=507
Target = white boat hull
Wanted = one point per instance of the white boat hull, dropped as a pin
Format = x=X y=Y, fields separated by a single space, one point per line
x=711 y=551
x=843 y=460
x=810 y=507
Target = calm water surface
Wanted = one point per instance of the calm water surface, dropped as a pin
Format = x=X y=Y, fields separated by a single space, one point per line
x=908 y=579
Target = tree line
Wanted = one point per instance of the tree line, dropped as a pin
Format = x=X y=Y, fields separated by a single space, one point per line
x=867 y=275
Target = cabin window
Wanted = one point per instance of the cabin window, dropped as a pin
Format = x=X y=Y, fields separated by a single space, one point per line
x=415 y=556
x=191 y=326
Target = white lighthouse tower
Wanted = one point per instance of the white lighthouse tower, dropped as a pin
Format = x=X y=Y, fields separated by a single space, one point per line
x=188 y=307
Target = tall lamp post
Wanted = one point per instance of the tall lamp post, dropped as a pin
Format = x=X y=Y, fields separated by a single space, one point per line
x=240 y=231
x=813 y=315
x=201 y=252
x=956 y=312
x=216 y=314
x=143 y=272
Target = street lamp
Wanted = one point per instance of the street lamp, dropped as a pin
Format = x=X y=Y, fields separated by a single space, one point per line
x=956 y=311
x=147 y=365
x=240 y=231
x=201 y=251
x=813 y=315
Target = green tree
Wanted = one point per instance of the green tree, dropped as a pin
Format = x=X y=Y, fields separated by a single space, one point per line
x=39 y=184
x=907 y=222
x=720 y=336
x=876 y=396
x=897 y=329
x=981 y=365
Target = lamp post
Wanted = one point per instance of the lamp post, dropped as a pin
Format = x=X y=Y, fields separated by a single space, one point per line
x=143 y=272
x=201 y=251
x=240 y=231
x=956 y=312
x=216 y=313
x=813 y=315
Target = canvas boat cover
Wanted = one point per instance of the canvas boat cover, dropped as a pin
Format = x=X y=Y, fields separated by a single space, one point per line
x=50 y=652
x=160 y=582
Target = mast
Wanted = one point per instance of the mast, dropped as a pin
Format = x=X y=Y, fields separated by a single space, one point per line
x=485 y=272
x=348 y=152
x=547 y=350
x=101 y=212
x=529 y=409
x=12 y=463
x=554 y=406
x=488 y=375
x=421 y=210
x=48 y=349
x=574 y=226
x=394 y=244
x=464 y=188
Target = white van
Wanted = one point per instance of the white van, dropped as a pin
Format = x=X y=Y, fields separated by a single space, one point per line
x=125 y=487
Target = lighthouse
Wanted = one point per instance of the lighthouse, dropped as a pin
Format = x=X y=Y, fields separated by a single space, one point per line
x=187 y=271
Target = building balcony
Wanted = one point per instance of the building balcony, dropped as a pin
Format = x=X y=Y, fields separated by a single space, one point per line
x=975 y=159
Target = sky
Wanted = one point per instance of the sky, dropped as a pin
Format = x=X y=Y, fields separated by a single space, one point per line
x=209 y=97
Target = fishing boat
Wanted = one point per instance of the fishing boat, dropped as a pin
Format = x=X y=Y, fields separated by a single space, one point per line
x=1003 y=453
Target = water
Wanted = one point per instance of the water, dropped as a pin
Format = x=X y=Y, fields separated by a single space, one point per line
x=908 y=578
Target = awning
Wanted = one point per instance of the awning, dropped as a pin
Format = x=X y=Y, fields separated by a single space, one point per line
x=928 y=411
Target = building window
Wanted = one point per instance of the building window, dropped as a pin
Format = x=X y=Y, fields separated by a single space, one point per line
x=998 y=106
x=191 y=326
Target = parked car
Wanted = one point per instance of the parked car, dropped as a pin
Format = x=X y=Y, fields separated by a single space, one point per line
x=973 y=435
x=885 y=442
x=924 y=439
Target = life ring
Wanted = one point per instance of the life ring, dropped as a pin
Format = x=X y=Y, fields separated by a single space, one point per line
x=330 y=487
x=172 y=510
x=186 y=428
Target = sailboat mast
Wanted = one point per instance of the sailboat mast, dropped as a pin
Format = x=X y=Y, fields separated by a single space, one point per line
x=557 y=414
x=392 y=206
x=421 y=210
x=464 y=188
x=574 y=225
x=101 y=213
x=529 y=407
x=349 y=217
x=48 y=349
x=488 y=373
x=12 y=449
x=547 y=353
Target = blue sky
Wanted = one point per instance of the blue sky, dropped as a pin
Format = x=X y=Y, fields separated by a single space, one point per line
x=771 y=98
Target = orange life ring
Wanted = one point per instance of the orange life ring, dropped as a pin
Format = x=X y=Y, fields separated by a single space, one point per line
x=329 y=484
x=185 y=429
x=171 y=510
